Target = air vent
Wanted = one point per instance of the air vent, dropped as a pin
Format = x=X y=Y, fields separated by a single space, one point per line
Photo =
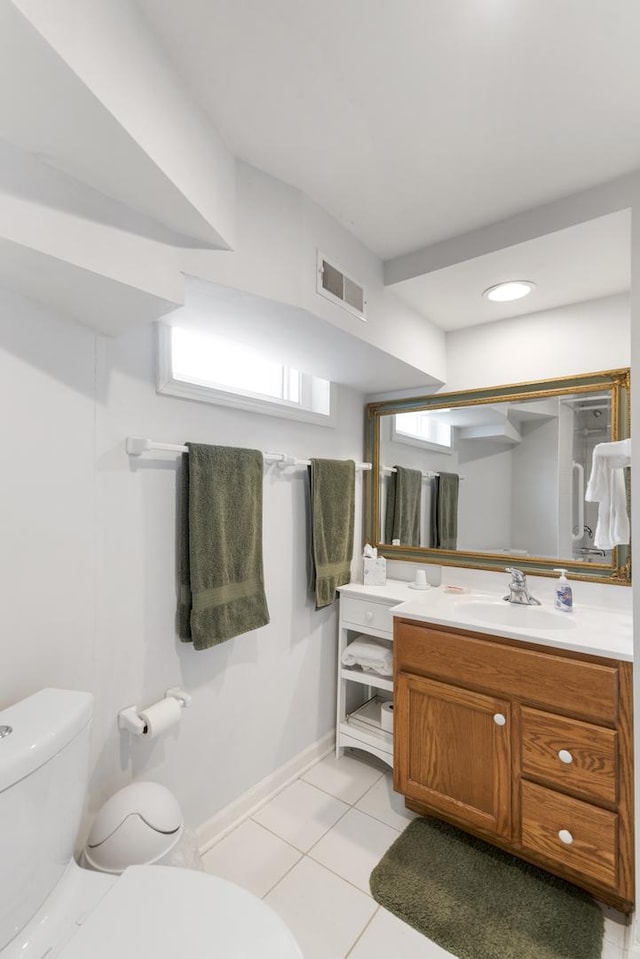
x=339 y=288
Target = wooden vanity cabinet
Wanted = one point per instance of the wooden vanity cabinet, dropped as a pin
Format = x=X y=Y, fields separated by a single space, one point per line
x=528 y=747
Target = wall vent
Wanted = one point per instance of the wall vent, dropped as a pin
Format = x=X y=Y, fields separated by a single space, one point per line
x=341 y=289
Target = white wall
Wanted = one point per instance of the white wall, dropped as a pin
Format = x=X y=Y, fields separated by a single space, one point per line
x=113 y=56
x=89 y=564
x=581 y=338
x=535 y=506
x=48 y=497
x=484 y=519
x=279 y=230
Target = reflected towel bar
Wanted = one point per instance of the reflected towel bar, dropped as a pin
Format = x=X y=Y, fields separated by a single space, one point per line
x=428 y=475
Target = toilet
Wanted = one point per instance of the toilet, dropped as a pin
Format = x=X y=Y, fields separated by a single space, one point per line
x=50 y=906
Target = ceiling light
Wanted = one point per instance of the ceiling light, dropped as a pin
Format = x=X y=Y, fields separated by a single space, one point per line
x=512 y=290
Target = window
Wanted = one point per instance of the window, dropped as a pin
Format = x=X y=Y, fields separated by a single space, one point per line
x=424 y=428
x=206 y=367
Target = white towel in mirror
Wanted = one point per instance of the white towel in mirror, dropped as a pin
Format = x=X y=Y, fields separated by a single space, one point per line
x=607 y=488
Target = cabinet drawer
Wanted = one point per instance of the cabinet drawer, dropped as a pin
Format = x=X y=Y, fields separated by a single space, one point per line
x=366 y=615
x=576 y=756
x=591 y=834
x=588 y=690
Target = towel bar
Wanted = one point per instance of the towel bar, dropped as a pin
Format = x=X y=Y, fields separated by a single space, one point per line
x=136 y=445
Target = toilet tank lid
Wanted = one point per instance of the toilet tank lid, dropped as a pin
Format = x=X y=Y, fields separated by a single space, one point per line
x=154 y=804
x=40 y=727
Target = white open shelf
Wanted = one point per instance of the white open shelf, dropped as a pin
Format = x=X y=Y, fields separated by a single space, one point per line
x=368 y=718
x=357 y=732
x=364 y=612
x=357 y=675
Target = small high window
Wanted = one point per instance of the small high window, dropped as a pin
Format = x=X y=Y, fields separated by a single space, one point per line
x=207 y=367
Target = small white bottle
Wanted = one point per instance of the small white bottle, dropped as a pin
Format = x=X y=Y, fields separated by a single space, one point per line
x=564 y=595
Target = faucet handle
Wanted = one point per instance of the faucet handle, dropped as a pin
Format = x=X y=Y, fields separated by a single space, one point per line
x=517 y=575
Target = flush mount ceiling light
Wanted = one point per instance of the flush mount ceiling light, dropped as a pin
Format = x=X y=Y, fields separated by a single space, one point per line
x=512 y=290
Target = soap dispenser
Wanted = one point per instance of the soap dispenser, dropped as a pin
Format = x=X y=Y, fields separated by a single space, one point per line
x=564 y=595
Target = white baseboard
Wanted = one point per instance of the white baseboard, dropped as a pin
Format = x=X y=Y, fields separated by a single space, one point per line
x=632 y=946
x=214 y=829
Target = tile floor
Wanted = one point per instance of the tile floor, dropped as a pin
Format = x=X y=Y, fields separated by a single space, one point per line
x=309 y=851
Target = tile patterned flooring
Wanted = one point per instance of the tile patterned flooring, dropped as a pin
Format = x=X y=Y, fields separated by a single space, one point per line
x=309 y=851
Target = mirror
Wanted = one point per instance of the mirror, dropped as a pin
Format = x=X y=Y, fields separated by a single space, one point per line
x=496 y=477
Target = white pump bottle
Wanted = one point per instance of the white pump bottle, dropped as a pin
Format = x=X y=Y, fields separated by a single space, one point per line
x=564 y=594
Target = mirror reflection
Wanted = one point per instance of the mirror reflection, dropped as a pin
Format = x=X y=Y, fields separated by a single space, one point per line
x=498 y=474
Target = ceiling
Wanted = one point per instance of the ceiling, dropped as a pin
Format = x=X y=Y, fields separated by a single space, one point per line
x=583 y=262
x=116 y=187
x=425 y=120
x=417 y=121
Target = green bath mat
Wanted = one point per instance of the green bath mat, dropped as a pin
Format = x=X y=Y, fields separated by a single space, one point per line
x=479 y=902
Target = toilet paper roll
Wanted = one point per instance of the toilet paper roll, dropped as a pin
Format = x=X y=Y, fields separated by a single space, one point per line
x=160 y=717
x=386 y=717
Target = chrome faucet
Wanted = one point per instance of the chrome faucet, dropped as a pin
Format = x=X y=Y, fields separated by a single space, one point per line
x=519 y=593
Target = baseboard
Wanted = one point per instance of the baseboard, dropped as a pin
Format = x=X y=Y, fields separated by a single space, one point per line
x=214 y=829
x=632 y=945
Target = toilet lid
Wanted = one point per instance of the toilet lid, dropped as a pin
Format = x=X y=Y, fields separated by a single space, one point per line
x=160 y=912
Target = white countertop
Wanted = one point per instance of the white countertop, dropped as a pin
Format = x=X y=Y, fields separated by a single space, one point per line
x=593 y=630
x=394 y=591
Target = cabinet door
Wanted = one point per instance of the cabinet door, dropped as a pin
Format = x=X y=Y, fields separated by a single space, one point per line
x=452 y=751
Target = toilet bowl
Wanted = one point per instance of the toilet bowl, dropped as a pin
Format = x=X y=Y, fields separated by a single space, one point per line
x=51 y=906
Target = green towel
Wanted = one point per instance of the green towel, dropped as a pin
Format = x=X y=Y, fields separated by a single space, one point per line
x=221 y=575
x=444 y=511
x=402 y=518
x=332 y=493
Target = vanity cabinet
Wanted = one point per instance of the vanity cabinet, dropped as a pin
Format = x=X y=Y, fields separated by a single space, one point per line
x=528 y=747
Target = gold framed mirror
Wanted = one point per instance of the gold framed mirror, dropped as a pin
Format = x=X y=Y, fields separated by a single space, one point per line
x=497 y=476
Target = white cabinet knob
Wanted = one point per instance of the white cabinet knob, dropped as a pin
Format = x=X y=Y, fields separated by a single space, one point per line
x=368 y=615
x=565 y=756
x=499 y=719
x=565 y=836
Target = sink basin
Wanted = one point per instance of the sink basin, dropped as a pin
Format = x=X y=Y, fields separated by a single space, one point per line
x=500 y=613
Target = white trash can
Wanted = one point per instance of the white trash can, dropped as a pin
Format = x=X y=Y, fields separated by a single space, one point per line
x=140 y=825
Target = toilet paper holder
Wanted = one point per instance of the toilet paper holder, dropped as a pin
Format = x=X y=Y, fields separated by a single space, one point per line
x=130 y=720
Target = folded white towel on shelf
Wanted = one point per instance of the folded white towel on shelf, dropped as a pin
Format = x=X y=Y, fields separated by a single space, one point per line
x=373 y=655
x=607 y=488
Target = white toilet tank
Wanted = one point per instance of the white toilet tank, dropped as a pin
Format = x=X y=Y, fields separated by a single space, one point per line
x=44 y=752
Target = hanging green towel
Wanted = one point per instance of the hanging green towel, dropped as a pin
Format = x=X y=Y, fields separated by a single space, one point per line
x=402 y=517
x=221 y=574
x=332 y=493
x=444 y=511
